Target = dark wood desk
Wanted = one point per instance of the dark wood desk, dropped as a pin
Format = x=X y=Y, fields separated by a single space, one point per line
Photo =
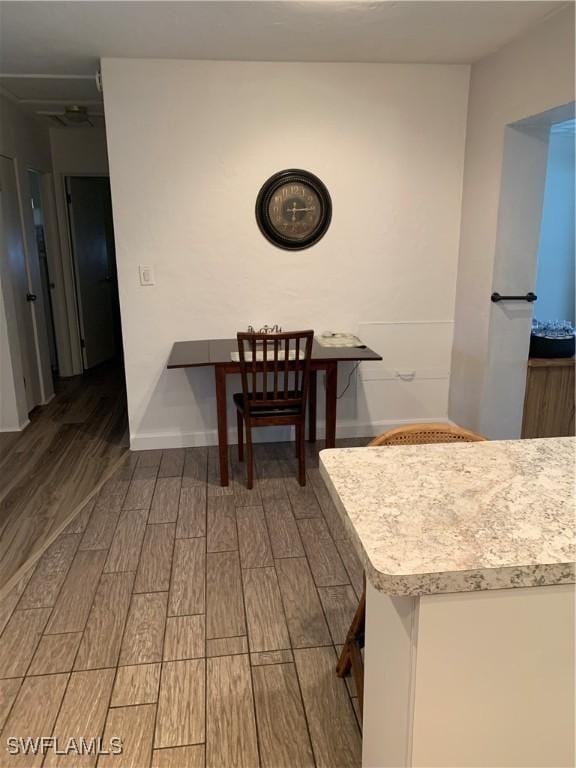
x=217 y=353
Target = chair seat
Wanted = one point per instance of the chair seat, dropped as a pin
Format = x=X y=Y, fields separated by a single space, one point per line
x=275 y=410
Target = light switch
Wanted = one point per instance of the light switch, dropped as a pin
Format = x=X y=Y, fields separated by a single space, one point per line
x=146 y=275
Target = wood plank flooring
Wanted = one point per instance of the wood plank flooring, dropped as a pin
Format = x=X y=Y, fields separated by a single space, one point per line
x=199 y=624
x=49 y=468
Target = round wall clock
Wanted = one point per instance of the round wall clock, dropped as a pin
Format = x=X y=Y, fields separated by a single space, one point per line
x=293 y=209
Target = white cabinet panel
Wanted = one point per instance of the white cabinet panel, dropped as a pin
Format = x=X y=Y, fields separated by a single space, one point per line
x=419 y=350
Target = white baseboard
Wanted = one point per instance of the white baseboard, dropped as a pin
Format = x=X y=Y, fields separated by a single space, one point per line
x=16 y=429
x=153 y=441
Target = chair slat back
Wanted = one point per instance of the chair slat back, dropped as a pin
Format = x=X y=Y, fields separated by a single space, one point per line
x=274 y=368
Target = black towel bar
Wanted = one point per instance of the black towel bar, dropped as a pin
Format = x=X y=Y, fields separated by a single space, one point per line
x=529 y=297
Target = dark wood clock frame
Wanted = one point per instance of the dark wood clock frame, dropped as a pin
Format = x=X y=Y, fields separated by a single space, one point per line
x=263 y=201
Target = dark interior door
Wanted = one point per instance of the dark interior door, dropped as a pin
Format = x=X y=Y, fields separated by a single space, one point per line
x=95 y=267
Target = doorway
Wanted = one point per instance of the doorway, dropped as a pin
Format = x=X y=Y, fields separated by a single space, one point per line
x=555 y=279
x=94 y=260
x=522 y=198
x=18 y=300
x=35 y=184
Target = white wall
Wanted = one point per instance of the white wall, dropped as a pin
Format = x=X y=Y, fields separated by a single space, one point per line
x=190 y=144
x=26 y=143
x=514 y=273
x=530 y=75
x=555 y=277
x=75 y=152
x=13 y=414
x=13 y=395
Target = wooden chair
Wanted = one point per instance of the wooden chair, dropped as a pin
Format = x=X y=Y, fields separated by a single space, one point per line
x=275 y=373
x=422 y=434
x=415 y=434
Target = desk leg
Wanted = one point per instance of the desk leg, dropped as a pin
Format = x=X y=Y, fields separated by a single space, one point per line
x=331 y=402
x=221 y=410
x=312 y=391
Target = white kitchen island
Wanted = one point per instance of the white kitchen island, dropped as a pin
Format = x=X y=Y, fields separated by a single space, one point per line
x=468 y=550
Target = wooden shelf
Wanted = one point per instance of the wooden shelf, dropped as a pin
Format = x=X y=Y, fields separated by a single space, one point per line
x=551 y=362
x=549 y=402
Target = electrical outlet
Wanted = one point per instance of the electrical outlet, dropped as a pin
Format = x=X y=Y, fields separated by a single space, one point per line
x=146 y=275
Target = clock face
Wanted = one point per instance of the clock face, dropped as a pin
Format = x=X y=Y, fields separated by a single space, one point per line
x=293 y=209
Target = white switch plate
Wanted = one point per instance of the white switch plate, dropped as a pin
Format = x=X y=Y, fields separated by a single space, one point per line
x=146 y=275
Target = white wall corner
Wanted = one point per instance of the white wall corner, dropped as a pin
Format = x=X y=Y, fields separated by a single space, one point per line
x=19 y=428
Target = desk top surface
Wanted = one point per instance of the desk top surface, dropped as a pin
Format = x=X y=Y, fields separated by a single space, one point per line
x=458 y=517
x=191 y=354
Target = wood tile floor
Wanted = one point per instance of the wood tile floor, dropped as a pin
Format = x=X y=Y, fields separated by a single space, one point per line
x=50 y=467
x=199 y=624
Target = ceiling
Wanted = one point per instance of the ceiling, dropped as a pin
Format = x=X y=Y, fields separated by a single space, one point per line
x=63 y=41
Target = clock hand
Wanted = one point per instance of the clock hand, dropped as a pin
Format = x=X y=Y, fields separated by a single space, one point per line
x=295 y=210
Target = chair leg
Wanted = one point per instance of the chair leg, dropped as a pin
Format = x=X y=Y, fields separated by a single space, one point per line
x=240 y=435
x=300 y=437
x=351 y=656
x=249 y=456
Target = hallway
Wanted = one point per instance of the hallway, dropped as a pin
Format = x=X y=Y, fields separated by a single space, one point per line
x=49 y=468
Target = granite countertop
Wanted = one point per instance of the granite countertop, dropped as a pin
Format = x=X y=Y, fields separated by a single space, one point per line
x=458 y=517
